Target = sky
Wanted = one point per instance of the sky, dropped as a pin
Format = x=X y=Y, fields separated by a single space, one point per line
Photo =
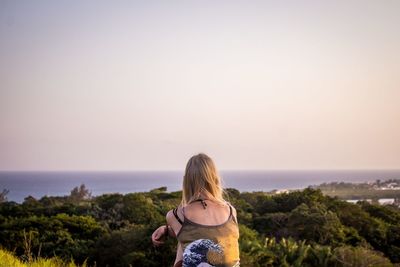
x=144 y=85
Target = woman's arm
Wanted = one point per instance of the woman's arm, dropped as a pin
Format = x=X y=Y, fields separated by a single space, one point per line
x=170 y=229
x=179 y=255
x=175 y=226
x=159 y=235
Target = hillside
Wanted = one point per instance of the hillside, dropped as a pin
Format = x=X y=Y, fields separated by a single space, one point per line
x=301 y=228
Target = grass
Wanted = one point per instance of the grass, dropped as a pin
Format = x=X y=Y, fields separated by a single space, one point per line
x=7 y=259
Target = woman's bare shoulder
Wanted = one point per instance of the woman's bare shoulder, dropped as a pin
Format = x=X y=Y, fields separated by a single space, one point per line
x=171 y=218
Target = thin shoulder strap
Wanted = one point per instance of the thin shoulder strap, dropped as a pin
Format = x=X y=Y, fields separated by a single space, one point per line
x=231 y=212
x=175 y=212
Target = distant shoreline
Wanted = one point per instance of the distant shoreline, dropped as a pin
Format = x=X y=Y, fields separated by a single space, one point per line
x=54 y=183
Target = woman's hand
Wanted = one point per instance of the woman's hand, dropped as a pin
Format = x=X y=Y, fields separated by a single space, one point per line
x=158 y=235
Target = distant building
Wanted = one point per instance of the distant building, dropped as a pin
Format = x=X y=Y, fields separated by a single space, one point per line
x=386 y=201
x=282 y=191
x=354 y=201
x=381 y=201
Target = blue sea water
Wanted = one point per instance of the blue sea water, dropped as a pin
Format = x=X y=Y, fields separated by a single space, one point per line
x=38 y=184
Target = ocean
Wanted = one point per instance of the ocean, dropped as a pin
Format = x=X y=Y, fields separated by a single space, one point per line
x=54 y=183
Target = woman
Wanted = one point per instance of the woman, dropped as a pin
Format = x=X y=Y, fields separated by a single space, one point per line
x=204 y=224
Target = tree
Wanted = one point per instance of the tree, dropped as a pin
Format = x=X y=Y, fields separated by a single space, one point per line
x=80 y=193
x=3 y=195
x=359 y=257
x=30 y=200
x=316 y=223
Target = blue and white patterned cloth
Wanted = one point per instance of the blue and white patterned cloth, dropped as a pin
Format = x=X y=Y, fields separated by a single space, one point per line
x=197 y=253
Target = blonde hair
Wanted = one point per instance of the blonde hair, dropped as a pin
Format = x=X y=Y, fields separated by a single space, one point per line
x=201 y=176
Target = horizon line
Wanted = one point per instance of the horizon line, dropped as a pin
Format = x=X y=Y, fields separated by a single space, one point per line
x=220 y=170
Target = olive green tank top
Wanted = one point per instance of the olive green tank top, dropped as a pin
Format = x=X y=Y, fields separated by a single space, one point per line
x=209 y=245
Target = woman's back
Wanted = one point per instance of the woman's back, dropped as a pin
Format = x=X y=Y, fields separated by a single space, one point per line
x=211 y=214
x=209 y=234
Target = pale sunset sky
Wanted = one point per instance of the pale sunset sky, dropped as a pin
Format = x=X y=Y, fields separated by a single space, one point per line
x=143 y=85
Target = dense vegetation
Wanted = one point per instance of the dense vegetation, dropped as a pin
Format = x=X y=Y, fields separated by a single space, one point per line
x=301 y=228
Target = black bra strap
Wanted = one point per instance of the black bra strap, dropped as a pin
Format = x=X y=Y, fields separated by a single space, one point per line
x=175 y=212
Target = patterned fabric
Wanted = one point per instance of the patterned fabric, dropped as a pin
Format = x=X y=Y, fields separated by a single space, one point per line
x=210 y=246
